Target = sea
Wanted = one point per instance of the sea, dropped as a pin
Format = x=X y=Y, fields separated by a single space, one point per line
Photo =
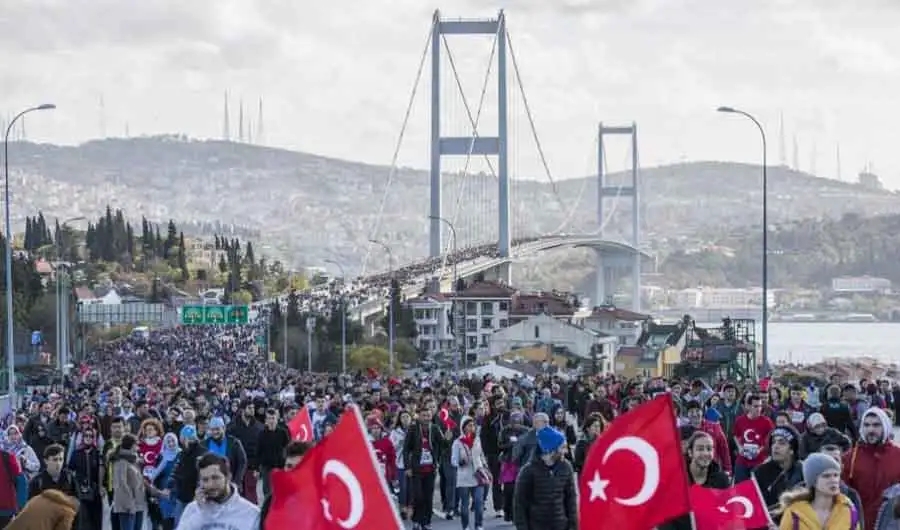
x=808 y=343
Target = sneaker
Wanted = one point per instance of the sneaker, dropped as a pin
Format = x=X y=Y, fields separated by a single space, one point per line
x=498 y=513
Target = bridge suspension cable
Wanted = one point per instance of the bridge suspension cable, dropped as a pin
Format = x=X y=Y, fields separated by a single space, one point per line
x=393 y=168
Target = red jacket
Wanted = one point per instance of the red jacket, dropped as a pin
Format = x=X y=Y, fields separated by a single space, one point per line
x=386 y=456
x=720 y=444
x=871 y=469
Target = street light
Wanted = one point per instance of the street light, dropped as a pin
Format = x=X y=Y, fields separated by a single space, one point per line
x=343 y=316
x=455 y=280
x=62 y=309
x=765 y=236
x=390 y=254
x=10 y=329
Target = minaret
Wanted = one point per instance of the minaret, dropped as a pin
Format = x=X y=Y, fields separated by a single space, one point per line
x=226 y=126
x=102 y=118
x=796 y=155
x=838 y=160
x=241 y=121
x=259 y=124
x=782 y=154
x=249 y=130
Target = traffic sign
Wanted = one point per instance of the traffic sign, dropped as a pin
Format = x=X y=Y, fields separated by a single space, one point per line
x=214 y=314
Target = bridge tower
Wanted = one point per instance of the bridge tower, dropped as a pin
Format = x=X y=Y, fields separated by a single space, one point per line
x=475 y=145
x=609 y=267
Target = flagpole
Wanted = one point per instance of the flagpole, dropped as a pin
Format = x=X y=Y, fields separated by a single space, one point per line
x=693 y=520
x=357 y=414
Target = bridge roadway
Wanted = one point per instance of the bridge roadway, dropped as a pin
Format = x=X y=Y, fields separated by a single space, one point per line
x=483 y=263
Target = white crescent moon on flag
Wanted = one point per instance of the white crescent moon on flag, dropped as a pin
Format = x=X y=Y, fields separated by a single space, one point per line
x=747 y=434
x=649 y=457
x=357 y=502
x=303 y=433
x=743 y=501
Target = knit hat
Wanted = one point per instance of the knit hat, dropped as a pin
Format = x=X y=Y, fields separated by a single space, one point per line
x=816 y=464
x=712 y=415
x=790 y=435
x=188 y=432
x=549 y=439
x=217 y=423
x=816 y=418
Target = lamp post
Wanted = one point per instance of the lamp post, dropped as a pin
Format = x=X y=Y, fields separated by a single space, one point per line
x=390 y=254
x=62 y=309
x=765 y=238
x=453 y=288
x=10 y=328
x=343 y=316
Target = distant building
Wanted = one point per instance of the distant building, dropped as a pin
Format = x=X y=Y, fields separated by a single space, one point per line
x=203 y=255
x=860 y=284
x=544 y=329
x=719 y=298
x=870 y=181
x=432 y=314
x=85 y=296
x=625 y=325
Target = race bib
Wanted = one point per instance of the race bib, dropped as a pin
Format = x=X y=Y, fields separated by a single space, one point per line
x=513 y=439
x=751 y=450
x=426 y=459
x=797 y=416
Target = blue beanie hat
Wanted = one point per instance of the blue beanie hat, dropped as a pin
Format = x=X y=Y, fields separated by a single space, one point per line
x=712 y=415
x=549 y=439
x=217 y=423
x=188 y=432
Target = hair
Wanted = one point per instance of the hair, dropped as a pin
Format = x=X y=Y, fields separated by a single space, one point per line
x=128 y=442
x=151 y=422
x=751 y=397
x=53 y=450
x=212 y=459
x=689 y=444
x=297 y=448
x=271 y=412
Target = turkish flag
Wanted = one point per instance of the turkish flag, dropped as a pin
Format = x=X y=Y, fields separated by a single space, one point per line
x=301 y=427
x=634 y=476
x=736 y=508
x=337 y=486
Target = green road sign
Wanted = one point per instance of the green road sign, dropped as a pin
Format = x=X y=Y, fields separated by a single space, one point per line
x=214 y=314
x=261 y=340
x=192 y=314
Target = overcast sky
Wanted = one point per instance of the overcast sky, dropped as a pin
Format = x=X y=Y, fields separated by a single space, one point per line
x=336 y=81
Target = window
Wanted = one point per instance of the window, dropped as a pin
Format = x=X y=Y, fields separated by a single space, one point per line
x=471 y=308
x=471 y=324
x=487 y=323
x=504 y=306
x=537 y=332
x=485 y=339
x=420 y=314
x=472 y=342
x=487 y=308
x=504 y=323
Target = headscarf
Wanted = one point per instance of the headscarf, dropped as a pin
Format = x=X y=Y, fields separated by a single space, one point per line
x=7 y=444
x=166 y=454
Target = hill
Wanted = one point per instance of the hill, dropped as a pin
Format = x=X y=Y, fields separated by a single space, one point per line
x=306 y=208
x=802 y=254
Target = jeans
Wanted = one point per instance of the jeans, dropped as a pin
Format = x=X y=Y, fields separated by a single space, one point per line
x=448 y=487
x=131 y=521
x=179 y=509
x=265 y=475
x=403 y=495
x=476 y=495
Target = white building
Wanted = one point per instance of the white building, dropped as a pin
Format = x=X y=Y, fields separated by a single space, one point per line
x=719 y=298
x=626 y=326
x=481 y=309
x=546 y=330
x=432 y=314
x=860 y=284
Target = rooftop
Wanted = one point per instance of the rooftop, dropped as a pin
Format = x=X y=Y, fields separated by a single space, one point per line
x=614 y=313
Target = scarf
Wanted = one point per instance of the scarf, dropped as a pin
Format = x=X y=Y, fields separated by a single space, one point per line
x=468 y=440
x=166 y=456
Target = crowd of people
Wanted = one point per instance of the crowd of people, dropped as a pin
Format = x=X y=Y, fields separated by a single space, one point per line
x=186 y=425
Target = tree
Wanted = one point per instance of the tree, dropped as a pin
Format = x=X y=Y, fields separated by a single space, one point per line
x=404 y=320
x=182 y=258
x=368 y=356
x=241 y=297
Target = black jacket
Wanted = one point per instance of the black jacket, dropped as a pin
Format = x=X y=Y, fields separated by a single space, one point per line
x=412 y=446
x=773 y=481
x=186 y=476
x=545 y=497
x=837 y=415
x=43 y=481
x=811 y=442
x=237 y=458
x=270 y=447
x=248 y=434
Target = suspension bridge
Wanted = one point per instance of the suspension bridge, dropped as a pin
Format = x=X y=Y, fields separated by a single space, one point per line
x=477 y=227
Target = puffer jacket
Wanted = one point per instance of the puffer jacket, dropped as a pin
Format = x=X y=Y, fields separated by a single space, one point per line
x=545 y=497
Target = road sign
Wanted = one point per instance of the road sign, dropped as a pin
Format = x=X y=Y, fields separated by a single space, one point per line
x=36 y=338
x=214 y=314
x=125 y=313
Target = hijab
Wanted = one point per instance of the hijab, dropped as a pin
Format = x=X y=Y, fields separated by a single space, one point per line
x=7 y=444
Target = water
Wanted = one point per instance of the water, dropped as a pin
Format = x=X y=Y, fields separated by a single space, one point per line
x=814 y=342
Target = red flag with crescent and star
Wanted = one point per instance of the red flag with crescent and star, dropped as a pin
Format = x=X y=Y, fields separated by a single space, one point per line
x=634 y=476
x=736 y=508
x=301 y=427
x=337 y=486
